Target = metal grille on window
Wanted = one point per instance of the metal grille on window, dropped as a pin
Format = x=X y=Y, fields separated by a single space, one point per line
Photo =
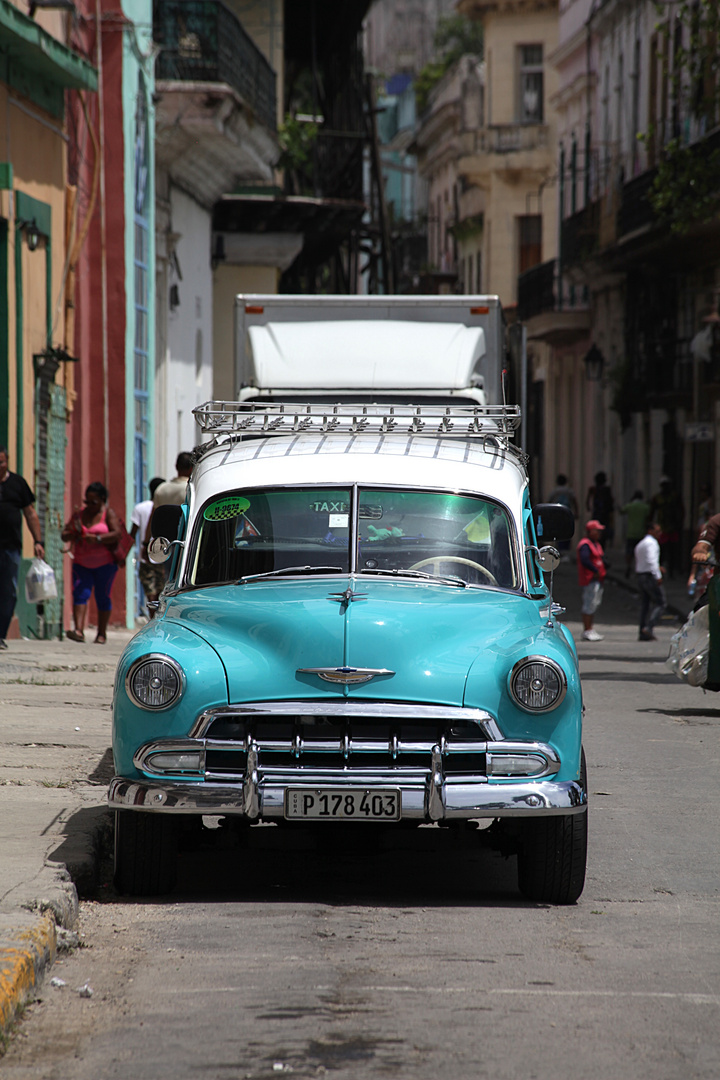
x=531 y=84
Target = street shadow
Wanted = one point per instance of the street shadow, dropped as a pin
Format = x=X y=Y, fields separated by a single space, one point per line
x=104 y=770
x=86 y=836
x=428 y=867
x=335 y=865
x=658 y=679
x=687 y=714
x=624 y=658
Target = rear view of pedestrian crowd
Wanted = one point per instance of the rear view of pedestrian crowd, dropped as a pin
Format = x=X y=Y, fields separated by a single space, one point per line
x=652 y=547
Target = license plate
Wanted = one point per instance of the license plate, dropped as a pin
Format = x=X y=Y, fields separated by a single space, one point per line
x=341 y=804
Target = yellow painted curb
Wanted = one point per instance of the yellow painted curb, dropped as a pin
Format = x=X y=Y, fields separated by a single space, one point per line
x=23 y=961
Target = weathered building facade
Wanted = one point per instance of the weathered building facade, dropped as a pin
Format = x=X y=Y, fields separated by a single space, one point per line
x=638 y=127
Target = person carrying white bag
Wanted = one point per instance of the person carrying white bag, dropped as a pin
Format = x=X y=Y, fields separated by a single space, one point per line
x=16 y=502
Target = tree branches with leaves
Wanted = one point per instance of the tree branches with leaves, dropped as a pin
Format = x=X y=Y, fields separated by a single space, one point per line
x=455 y=36
x=686 y=189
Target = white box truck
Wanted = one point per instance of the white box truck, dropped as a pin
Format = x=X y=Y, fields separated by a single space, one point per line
x=443 y=349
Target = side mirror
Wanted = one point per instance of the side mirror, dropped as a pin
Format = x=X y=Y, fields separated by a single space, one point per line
x=164 y=529
x=553 y=521
x=159 y=550
x=549 y=559
x=166 y=520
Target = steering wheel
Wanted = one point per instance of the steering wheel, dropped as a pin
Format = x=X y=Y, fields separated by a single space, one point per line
x=437 y=559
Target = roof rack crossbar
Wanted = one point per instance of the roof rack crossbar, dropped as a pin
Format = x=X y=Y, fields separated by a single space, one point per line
x=453 y=421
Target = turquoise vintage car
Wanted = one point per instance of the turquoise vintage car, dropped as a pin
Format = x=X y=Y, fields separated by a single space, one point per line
x=356 y=628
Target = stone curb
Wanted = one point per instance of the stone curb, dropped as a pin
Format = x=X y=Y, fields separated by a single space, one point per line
x=26 y=953
x=29 y=944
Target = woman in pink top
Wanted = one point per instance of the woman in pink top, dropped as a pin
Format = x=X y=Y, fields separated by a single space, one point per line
x=93 y=532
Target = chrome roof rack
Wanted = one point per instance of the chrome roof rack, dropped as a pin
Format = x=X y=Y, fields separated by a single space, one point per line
x=243 y=418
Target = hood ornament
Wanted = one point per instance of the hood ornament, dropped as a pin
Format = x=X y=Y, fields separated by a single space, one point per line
x=348 y=676
x=347 y=597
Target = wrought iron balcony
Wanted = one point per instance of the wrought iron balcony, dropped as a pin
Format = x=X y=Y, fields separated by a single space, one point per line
x=580 y=235
x=512 y=138
x=536 y=290
x=635 y=209
x=203 y=41
x=558 y=310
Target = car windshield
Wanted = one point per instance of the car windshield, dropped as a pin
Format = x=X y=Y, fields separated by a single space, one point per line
x=258 y=532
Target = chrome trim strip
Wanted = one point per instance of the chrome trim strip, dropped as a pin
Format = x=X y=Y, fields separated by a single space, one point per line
x=545 y=755
x=435 y=788
x=142 y=756
x=348 y=676
x=250 y=788
x=463 y=799
x=348 y=710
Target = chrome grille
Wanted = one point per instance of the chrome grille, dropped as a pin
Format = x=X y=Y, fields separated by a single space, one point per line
x=312 y=736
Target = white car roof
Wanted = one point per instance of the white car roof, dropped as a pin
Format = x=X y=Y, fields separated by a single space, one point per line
x=369 y=459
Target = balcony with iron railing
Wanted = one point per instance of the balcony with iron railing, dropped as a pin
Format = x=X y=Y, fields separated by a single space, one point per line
x=580 y=235
x=203 y=41
x=504 y=139
x=557 y=311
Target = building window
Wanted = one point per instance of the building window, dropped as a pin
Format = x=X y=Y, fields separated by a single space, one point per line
x=531 y=84
x=529 y=241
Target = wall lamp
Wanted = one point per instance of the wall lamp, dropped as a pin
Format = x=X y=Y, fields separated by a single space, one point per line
x=594 y=363
x=32 y=233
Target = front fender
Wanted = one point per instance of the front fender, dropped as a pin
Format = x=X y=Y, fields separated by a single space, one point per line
x=205 y=686
x=488 y=687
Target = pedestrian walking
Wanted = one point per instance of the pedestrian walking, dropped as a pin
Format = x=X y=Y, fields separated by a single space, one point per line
x=152 y=576
x=174 y=491
x=637 y=512
x=92 y=532
x=16 y=502
x=562 y=493
x=667 y=509
x=600 y=504
x=171 y=491
x=649 y=578
x=592 y=568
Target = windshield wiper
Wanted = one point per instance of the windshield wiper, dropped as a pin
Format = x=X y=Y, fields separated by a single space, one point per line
x=450 y=579
x=292 y=570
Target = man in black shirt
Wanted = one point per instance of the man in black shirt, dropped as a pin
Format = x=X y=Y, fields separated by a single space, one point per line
x=16 y=501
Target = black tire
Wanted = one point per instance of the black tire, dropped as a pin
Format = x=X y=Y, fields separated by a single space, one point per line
x=553 y=855
x=145 y=853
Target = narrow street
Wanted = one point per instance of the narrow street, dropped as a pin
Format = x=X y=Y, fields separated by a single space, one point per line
x=413 y=954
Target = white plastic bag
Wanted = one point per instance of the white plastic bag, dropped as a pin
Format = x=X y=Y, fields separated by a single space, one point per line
x=40 y=582
x=689 y=649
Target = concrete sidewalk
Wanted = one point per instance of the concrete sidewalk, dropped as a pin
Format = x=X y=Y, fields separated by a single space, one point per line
x=55 y=764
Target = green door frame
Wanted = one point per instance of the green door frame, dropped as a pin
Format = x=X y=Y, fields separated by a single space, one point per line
x=29 y=210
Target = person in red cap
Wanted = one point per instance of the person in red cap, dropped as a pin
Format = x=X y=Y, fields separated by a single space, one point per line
x=592 y=569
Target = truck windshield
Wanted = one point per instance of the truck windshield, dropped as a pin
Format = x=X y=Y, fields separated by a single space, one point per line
x=252 y=532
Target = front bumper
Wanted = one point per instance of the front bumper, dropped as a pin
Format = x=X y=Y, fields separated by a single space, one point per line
x=424 y=798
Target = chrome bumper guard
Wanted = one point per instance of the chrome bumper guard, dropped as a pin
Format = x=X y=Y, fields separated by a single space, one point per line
x=449 y=763
x=424 y=798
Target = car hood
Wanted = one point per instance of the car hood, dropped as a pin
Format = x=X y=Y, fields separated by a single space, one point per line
x=428 y=636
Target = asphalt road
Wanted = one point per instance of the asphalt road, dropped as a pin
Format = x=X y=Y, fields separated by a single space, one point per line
x=413 y=955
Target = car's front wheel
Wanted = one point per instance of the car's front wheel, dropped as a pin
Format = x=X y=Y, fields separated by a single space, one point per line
x=553 y=854
x=552 y=858
x=145 y=853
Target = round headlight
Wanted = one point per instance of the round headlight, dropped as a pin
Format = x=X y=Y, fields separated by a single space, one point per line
x=155 y=682
x=537 y=684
